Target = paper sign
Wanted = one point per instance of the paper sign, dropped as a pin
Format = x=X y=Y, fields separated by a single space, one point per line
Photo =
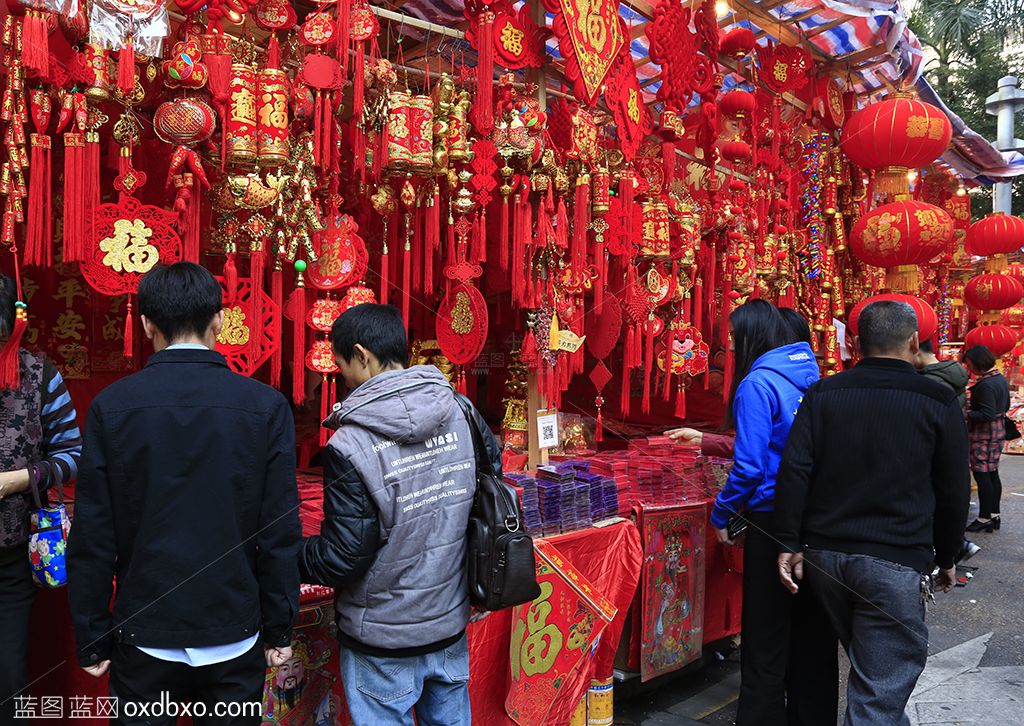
x=547 y=430
x=569 y=341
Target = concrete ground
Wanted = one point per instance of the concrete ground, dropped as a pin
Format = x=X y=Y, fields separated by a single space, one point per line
x=975 y=672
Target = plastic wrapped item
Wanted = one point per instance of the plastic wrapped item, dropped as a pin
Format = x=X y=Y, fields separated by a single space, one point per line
x=118 y=24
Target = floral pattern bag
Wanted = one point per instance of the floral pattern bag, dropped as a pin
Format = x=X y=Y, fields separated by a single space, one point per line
x=48 y=541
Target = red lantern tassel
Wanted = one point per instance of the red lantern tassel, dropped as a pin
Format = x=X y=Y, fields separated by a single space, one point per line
x=432 y=241
x=483 y=108
x=35 y=43
x=74 y=196
x=92 y=178
x=680 y=411
x=581 y=222
x=668 y=162
x=417 y=251
x=129 y=331
x=257 y=265
x=39 y=228
x=277 y=295
x=325 y=409
x=481 y=238
x=503 y=240
x=299 y=345
x=273 y=52
x=406 y=283
x=343 y=30
x=318 y=131
x=218 y=66
x=645 y=403
x=126 y=68
x=730 y=368
x=628 y=190
x=670 y=341
x=10 y=358
x=231 y=278
x=624 y=401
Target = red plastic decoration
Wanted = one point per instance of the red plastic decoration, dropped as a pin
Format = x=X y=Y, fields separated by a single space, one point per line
x=462 y=324
x=320 y=358
x=590 y=38
x=689 y=353
x=518 y=42
x=783 y=68
x=738 y=43
x=245 y=355
x=625 y=97
x=901 y=233
x=342 y=258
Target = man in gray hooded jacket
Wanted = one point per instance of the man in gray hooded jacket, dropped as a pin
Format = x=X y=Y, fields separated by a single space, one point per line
x=399 y=480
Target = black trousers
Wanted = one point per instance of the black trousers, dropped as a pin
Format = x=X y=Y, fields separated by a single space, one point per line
x=17 y=593
x=990 y=492
x=788 y=654
x=140 y=683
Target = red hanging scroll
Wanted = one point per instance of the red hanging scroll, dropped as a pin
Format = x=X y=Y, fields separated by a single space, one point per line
x=591 y=35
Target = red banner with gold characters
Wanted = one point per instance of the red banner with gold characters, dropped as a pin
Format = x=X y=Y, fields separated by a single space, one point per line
x=552 y=637
x=591 y=36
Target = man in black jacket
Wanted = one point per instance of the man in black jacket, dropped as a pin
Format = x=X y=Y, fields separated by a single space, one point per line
x=399 y=481
x=872 y=489
x=186 y=495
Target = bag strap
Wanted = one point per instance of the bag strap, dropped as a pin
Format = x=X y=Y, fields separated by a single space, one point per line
x=35 y=472
x=479 y=449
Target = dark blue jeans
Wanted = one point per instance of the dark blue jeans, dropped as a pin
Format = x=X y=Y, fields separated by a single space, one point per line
x=877 y=611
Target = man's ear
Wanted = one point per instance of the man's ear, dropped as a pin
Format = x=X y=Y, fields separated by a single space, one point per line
x=855 y=345
x=915 y=343
x=217 y=324
x=148 y=327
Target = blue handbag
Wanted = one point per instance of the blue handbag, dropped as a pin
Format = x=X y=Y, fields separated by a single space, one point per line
x=48 y=541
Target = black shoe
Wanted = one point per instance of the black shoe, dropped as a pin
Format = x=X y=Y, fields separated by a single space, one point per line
x=979 y=526
x=995 y=522
x=967 y=550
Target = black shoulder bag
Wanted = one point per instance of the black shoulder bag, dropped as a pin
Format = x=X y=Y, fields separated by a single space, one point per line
x=502 y=568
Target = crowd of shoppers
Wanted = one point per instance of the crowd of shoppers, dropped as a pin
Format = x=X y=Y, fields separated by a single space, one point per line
x=849 y=492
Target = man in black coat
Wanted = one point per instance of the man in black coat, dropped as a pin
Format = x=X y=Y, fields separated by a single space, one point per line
x=186 y=496
x=872 y=489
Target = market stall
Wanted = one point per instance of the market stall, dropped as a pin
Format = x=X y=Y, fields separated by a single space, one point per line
x=565 y=200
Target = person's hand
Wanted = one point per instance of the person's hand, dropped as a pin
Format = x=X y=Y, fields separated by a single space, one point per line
x=946 y=579
x=723 y=537
x=475 y=616
x=99 y=670
x=692 y=437
x=791 y=569
x=278 y=656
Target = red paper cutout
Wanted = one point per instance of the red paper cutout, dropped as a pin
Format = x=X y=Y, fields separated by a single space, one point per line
x=133 y=238
x=246 y=358
x=604 y=328
x=626 y=100
x=518 y=42
x=462 y=324
x=689 y=353
x=783 y=68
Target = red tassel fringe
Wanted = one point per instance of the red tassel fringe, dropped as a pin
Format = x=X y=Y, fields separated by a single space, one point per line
x=35 y=44
x=39 y=227
x=10 y=358
x=74 y=196
x=126 y=68
x=129 y=331
x=483 y=108
x=277 y=295
x=231 y=278
x=299 y=346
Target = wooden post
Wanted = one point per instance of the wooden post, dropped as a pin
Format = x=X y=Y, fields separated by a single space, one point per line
x=534 y=404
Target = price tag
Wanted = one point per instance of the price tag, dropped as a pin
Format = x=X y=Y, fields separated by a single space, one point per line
x=547 y=429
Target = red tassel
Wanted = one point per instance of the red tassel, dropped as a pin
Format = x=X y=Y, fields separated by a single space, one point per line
x=528 y=349
x=385 y=274
x=626 y=398
x=627 y=189
x=680 y=411
x=417 y=251
x=480 y=241
x=299 y=345
x=670 y=341
x=273 y=52
x=580 y=223
x=483 y=108
x=343 y=31
x=10 y=358
x=668 y=162
x=645 y=403
x=39 y=227
x=730 y=369
x=129 y=331
x=257 y=265
x=91 y=170
x=432 y=241
x=325 y=409
x=218 y=66
x=503 y=240
x=35 y=44
x=406 y=283
x=231 y=278
x=318 y=131
x=562 y=225
x=599 y=428
x=277 y=295
x=126 y=68
x=74 y=196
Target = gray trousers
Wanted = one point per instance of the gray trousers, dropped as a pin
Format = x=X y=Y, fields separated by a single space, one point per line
x=877 y=611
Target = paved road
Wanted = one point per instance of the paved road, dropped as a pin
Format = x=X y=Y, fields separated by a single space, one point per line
x=975 y=672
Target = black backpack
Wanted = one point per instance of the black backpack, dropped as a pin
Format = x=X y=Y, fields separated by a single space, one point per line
x=501 y=565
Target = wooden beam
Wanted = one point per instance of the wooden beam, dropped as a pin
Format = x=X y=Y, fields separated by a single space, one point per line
x=638 y=30
x=640 y=62
x=788 y=34
x=644 y=7
x=650 y=81
x=803 y=16
x=772 y=4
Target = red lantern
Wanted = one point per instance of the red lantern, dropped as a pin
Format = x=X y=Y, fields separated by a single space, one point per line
x=927 y=320
x=997 y=338
x=996 y=234
x=895 y=136
x=1016 y=270
x=737 y=43
x=736 y=151
x=993 y=291
x=1014 y=318
x=901 y=235
x=737 y=104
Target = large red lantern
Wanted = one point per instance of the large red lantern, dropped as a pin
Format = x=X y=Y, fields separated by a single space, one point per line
x=894 y=137
x=1016 y=269
x=1014 y=318
x=901 y=235
x=737 y=104
x=927 y=320
x=996 y=234
x=997 y=338
x=993 y=291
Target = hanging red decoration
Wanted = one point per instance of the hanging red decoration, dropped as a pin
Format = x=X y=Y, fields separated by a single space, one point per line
x=342 y=258
x=462 y=324
x=590 y=38
x=357 y=295
x=237 y=340
x=903 y=235
x=738 y=43
x=997 y=338
x=996 y=234
x=927 y=320
x=689 y=353
x=625 y=98
x=674 y=47
x=737 y=105
x=574 y=131
x=893 y=137
x=783 y=68
x=184 y=121
x=518 y=42
x=239 y=132
x=993 y=291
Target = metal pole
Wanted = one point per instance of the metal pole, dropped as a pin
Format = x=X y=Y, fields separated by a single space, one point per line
x=1004 y=104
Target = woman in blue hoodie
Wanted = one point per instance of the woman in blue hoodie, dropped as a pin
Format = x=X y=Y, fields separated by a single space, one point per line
x=774 y=367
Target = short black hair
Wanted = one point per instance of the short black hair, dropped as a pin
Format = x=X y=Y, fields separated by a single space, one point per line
x=378 y=328
x=981 y=358
x=926 y=346
x=885 y=326
x=797 y=325
x=180 y=299
x=8 y=297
